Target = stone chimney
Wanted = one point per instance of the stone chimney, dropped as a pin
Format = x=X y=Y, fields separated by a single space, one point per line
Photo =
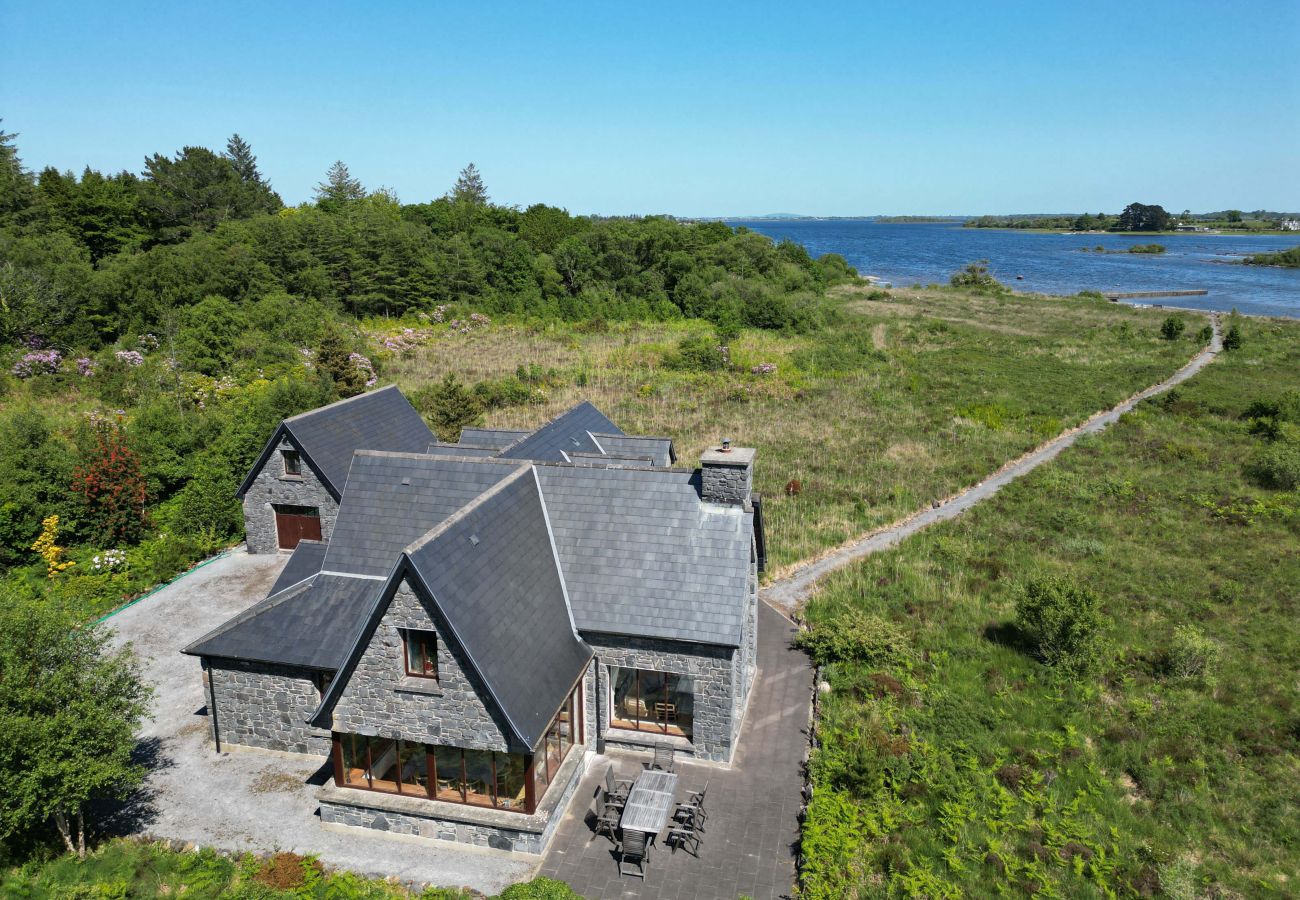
x=727 y=474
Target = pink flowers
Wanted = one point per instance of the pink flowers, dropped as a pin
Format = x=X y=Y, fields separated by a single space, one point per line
x=38 y=362
x=366 y=367
x=132 y=358
x=763 y=369
x=406 y=339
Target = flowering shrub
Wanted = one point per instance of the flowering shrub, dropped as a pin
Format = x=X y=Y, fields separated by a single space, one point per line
x=406 y=339
x=132 y=358
x=462 y=326
x=47 y=546
x=111 y=486
x=109 y=561
x=763 y=369
x=38 y=362
x=85 y=366
x=147 y=342
x=440 y=313
x=308 y=357
x=363 y=365
x=204 y=390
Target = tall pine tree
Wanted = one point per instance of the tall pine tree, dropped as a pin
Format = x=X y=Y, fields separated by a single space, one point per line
x=338 y=187
x=16 y=183
x=469 y=187
x=241 y=157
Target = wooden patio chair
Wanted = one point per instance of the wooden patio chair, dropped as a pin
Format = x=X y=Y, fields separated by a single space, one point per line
x=663 y=758
x=607 y=821
x=616 y=789
x=691 y=810
x=634 y=850
x=684 y=835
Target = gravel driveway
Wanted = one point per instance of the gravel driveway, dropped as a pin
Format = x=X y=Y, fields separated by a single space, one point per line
x=253 y=800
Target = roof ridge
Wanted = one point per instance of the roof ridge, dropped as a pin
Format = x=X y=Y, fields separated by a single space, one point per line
x=639 y=437
x=403 y=454
x=337 y=403
x=549 y=422
x=460 y=514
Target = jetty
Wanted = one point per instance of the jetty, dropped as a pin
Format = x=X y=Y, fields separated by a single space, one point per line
x=1143 y=295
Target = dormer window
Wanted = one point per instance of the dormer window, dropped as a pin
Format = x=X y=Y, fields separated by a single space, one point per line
x=292 y=462
x=421 y=653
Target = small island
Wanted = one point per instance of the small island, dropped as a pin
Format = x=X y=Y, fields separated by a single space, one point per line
x=1287 y=259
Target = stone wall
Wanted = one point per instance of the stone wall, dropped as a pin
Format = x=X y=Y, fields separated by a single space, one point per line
x=711 y=667
x=272 y=487
x=380 y=699
x=266 y=706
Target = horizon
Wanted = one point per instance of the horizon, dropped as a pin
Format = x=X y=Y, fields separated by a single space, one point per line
x=695 y=114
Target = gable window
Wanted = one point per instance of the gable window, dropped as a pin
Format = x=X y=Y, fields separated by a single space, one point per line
x=421 y=653
x=292 y=462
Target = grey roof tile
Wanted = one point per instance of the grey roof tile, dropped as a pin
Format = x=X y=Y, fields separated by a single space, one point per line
x=568 y=432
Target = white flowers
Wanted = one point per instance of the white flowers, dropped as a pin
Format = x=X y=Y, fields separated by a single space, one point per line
x=109 y=561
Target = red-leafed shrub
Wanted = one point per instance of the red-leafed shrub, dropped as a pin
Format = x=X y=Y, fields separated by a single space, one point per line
x=112 y=488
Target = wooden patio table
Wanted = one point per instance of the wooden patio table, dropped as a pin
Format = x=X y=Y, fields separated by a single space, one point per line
x=650 y=802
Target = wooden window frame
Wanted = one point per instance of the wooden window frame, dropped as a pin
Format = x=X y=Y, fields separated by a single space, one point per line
x=430 y=791
x=294 y=471
x=427 y=638
x=648 y=724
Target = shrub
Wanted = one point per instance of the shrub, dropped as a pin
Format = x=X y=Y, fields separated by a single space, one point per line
x=1064 y=624
x=1147 y=248
x=1173 y=328
x=509 y=390
x=112 y=488
x=1232 y=340
x=1277 y=465
x=540 y=888
x=1192 y=654
x=856 y=636
x=1205 y=335
x=700 y=353
x=975 y=274
x=449 y=406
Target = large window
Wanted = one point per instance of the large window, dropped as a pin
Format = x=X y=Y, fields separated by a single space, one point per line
x=477 y=777
x=645 y=700
x=421 y=653
x=561 y=734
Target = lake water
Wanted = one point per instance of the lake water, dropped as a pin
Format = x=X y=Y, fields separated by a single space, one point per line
x=1054 y=264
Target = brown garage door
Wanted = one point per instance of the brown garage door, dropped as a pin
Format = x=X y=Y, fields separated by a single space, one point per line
x=296 y=523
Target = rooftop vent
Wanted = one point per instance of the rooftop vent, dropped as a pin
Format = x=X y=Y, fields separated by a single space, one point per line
x=473 y=539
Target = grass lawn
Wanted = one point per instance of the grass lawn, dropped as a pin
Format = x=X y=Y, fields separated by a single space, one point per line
x=960 y=766
x=915 y=394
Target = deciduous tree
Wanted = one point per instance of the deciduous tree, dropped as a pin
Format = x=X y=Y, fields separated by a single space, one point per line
x=71 y=706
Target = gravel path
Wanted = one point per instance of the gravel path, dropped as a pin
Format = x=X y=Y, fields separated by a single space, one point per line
x=249 y=800
x=790 y=592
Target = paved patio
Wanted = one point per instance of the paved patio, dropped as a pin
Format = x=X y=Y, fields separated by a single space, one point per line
x=753 y=807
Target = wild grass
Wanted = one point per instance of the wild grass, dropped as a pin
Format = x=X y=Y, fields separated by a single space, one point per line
x=969 y=769
x=123 y=868
x=912 y=395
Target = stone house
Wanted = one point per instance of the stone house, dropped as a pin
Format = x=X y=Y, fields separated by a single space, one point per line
x=292 y=492
x=486 y=617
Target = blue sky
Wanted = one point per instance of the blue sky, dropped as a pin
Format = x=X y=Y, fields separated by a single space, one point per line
x=835 y=109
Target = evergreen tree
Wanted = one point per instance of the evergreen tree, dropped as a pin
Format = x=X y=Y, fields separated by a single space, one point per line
x=469 y=187
x=241 y=157
x=197 y=190
x=338 y=187
x=16 y=183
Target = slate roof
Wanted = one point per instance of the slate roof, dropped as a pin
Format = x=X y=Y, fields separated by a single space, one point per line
x=378 y=420
x=565 y=433
x=490 y=570
x=641 y=555
x=659 y=449
x=394 y=498
x=461 y=450
x=312 y=625
x=303 y=563
x=496 y=438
